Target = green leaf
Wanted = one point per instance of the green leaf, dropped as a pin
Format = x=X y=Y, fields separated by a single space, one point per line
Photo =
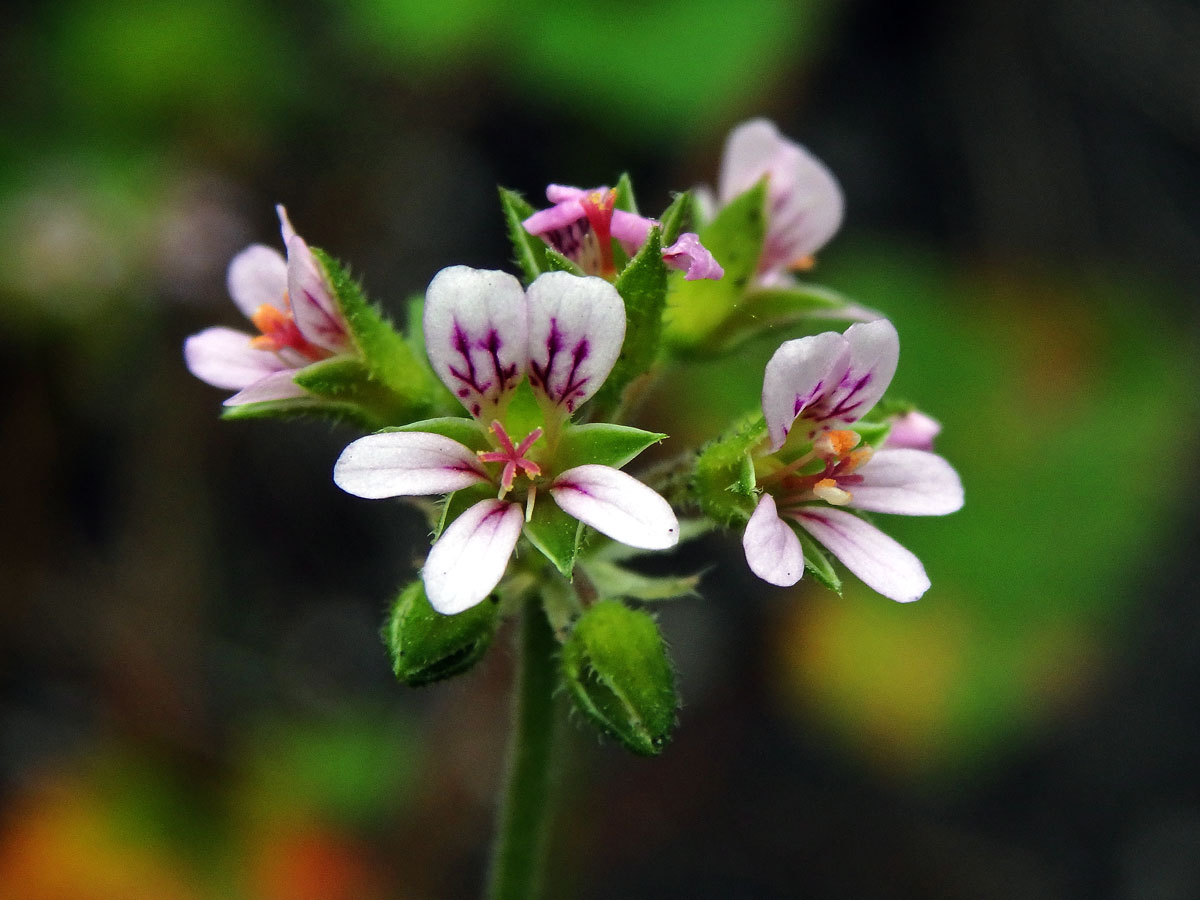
x=530 y=251
x=303 y=408
x=765 y=309
x=616 y=668
x=612 y=581
x=602 y=444
x=426 y=646
x=625 y=199
x=724 y=480
x=679 y=217
x=817 y=562
x=388 y=357
x=467 y=432
x=643 y=287
x=555 y=534
x=697 y=309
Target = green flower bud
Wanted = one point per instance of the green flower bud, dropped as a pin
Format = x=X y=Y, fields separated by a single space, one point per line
x=616 y=667
x=427 y=646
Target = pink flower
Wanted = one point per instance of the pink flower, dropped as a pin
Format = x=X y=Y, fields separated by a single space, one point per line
x=291 y=304
x=813 y=388
x=804 y=202
x=914 y=430
x=484 y=335
x=582 y=223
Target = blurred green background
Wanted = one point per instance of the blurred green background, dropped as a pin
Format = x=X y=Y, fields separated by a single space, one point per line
x=193 y=699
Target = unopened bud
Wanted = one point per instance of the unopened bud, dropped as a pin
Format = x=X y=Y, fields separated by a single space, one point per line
x=616 y=667
x=427 y=646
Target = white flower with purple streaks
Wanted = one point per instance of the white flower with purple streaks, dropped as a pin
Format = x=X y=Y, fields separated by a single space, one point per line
x=484 y=335
x=813 y=388
x=291 y=303
x=582 y=224
x=804 y=201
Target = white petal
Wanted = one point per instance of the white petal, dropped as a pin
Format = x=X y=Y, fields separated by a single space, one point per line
x=804 y=202
x=276 y=386
x=881 y=563
x=470 y=557
x=914 y=430
x=257 y=277
x=772 y=549
x=225 y=358
x=313 y=307
x=576 y=329
x=617 y=505
x=406 y=464
x=477 y=335
x=874 y=353
x=908 y=483
x=798 y=375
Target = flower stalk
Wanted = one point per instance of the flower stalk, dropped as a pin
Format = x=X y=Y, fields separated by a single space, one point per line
x=519 y=850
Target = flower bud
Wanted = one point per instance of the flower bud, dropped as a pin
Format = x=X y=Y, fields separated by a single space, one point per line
x=427 y=646
x=616 y=667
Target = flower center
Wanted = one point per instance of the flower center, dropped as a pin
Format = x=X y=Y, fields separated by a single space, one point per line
x=512 y=457
x=826 y=472
x=279 y=331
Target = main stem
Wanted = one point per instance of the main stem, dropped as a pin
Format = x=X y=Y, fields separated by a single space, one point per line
x=519 y=853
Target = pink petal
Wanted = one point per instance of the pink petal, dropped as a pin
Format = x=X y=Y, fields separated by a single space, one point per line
x=630 y=229
x=277 y=386
x=879 y=562
x=576 y=329
x=313 y=307
x=908 y=483
x=558 y=193
x=692 y=257
x=617 y=505
x=804 y=201
x=799 y=373
x=561 y=215
x=913 y=430
x=406 y=464
x=477 y=336
x=257 y=277
x=225 y=358
x=470 y=557
x=773 y=551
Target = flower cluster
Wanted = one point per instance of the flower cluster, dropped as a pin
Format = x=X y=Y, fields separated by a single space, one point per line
x=546 y=369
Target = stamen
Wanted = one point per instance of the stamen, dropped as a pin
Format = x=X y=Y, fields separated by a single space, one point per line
x=513 y=458
x=836 y=443
x=598 y=207
x=827 y=490
x=802 y=263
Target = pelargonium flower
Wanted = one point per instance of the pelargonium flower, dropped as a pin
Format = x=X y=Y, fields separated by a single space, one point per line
x=484 y=335
x=913 y=429
x=582 y=224
x=804 y=201
x=291 y=304
x=814 y=468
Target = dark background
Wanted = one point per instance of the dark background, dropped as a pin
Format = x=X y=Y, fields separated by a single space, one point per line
x=194 y=702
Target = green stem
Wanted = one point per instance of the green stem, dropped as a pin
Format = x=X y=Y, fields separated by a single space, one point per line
x=519 y=853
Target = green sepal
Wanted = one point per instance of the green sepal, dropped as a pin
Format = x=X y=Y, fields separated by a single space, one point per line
x=460 y=501
x=602 y=444
x=697 y=309
x=466 y=431
x=765 y=309
x=817 y=562
x=426 y=646
x=872 y=433
x=530 y=250
x=613 y=581
x=555 y=534
x=304 y=408
x=556 y=262
x=347 y=380
x=724 y=479
x=625 y=198
x=679 y=217
x=616 y=668
x=643 y=286
x=390 y=360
